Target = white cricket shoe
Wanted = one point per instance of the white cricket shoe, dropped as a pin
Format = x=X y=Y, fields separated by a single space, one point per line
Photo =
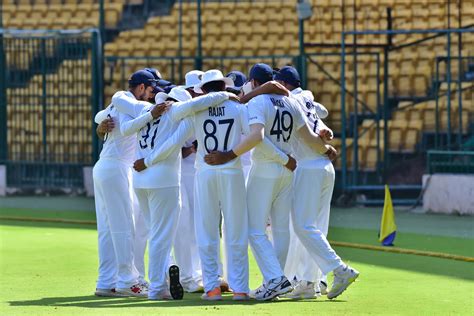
x=343 y=277
x=134 y=290
x=192 y=286
x=302 y=290
x=257 y=291
x=273 y=288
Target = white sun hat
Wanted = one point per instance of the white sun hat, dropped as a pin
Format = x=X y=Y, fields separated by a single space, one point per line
x=193 y=78
x=213 y=75
x=178 y=93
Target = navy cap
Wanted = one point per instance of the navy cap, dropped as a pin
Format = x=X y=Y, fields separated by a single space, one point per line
x=289 y=75
x=168 y=88
x=142 y=76
x=238 y=78
x=261 y=72
x=157 y=75
x=157 y=89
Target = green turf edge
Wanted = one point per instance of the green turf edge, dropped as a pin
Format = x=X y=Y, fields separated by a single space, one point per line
x=449 y=245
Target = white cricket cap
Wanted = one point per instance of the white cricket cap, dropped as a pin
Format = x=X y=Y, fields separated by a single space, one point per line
x=193 y=78
x=213 y=75
x=178 y=93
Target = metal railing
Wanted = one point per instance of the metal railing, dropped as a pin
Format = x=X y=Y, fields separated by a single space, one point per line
x=439 y=161
x=50 y=88
x=352 y=183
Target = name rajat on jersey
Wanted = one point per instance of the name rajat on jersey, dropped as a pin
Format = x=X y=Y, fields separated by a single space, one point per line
x=218 y=111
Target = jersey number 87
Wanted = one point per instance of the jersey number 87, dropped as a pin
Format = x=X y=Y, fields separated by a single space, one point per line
x=210 y=129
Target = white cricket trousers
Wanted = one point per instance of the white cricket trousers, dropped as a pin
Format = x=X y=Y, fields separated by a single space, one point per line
x=160 y=207
x=115 y=227
x=269 y=194
x=222 y=190
x=307 y=195
x=185 y=250
x=141 y=236
x=299 y=263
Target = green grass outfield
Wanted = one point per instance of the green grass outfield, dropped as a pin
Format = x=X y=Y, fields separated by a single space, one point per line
x=50 y=269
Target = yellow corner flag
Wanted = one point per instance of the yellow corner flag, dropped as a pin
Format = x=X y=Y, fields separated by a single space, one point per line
x=388 y=228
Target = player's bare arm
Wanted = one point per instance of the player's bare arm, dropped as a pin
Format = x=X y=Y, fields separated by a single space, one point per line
x=159 y=109
x=105 y=127
x=270 y=87
x=186 y=151
x=324 y=131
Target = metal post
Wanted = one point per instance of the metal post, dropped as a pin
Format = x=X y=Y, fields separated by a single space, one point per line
x=44 y=159
x=97 y=86
x=437 y=104
x=355 y=132
x=102 y=20
x=3 y=95
x=448 y=95
x=180 y=41
x=343 y=114
x=459 y=139
x=377 y=115
x=385 y=95
x=198 y=60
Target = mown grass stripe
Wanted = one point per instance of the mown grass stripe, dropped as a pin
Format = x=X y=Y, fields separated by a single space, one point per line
x=333 y=243
x=402 y=251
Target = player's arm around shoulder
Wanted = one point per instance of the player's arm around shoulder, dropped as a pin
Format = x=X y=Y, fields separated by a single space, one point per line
x=174 y=143
x=270 y=87
x=127 y=104
x=201 y=103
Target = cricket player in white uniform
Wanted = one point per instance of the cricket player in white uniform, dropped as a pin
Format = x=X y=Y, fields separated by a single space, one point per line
x=118 y=275
x=286 y=120
x=269 y=184
x=299 y=266
x=157 y=187
x=218 y=128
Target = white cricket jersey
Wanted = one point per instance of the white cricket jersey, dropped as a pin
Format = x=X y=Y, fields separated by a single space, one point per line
x=116 y=146
x=307 y=97
x=281 y=116
x=219 y=128
x=300 y=149
x=167 y=173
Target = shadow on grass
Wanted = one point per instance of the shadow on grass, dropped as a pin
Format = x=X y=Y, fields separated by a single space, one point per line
x=191 y=300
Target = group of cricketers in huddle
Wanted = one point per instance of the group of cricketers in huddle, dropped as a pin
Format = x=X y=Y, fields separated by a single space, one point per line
x=174 y=173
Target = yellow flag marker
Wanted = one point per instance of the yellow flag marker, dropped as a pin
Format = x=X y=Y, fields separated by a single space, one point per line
x=388 y=228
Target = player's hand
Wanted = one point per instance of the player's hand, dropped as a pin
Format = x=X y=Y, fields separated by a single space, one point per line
x=219 y=157
x=326 y=134
x=159 y=109
x=139 y=165
x=233 y=97
x=331 y=152
x=291 y=164
x=186 y=151
x=106 y=126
